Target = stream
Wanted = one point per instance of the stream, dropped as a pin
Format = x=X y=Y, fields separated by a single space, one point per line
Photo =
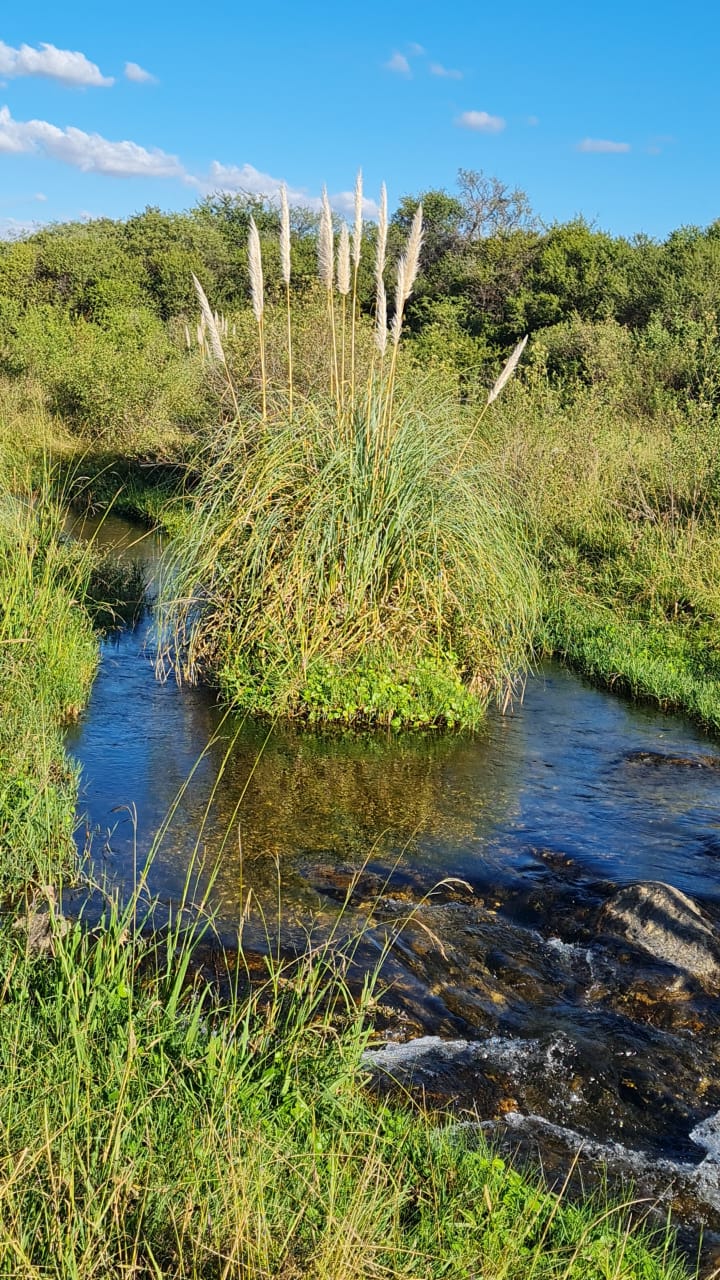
x=489 y=858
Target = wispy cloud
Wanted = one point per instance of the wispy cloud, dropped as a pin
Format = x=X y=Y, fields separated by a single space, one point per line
x=657 y=144
x=11 y=228
x=480 y=121
x=533 y=121
x=437 y=69
x=247 y=180
x=416 y=50
x=89 y=152
x=138 y=74
x=92 y=153
x=55 y=64
x=603 y=146
x=399 y=64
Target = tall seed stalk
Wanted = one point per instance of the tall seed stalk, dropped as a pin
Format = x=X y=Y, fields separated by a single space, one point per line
x=286 y=269
x=326 y=268
x=380 y=292
x=343 y=284
x=257 y=293
x=407 y=270
x=356 y=250
x=507 y=372
x=208 y=333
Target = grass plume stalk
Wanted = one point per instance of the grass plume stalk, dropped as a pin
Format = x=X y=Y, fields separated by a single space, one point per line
x=356 y=253
x=380 y=257
x=286 y=268
x=257 y=293
x=343 y=284
x=326 y=271
x=407 y=271
x=506 y=374
x=210 y=327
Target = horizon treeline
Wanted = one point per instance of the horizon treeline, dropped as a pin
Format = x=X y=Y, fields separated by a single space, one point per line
x=88 y=307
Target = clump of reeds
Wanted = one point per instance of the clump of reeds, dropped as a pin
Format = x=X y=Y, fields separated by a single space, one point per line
x=346 y=529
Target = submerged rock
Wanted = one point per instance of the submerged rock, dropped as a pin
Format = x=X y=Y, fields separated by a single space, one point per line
x=43 y=923
x=666 y=924
x=657 y=759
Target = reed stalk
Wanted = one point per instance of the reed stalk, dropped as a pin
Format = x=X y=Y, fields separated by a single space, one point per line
x=326 y=268
x=356 y=251
x=285 y=262
x=380 y=292
x=508 y=370
x=211 y=332
x=257 y=293
x=343 y=285
x=407 y=270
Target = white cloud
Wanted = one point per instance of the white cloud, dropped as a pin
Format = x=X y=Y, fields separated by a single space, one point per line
x=248 y=180
x=40 y=197
x=480 y=121
x=11 y=228
x=344 y=202
x=89 y=152
x=416 y=50
x=399 y=64
x=138 y=74
x=533 y=121
x=57 y=64
x=437 y=69
x=603 y=146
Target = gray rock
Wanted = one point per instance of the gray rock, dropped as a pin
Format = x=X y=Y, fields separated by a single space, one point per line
x=667 y=925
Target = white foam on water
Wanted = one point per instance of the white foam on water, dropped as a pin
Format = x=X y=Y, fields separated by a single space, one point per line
x=703 y=1179
x=707 y=1135
x=407 y=1052
x=510 y=1052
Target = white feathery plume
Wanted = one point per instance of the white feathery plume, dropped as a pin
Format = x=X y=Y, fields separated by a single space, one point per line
x=343 y=262
x=325 y=243
x=357 y=229
x=257 y=290
x=399 y=302
x=412 y=252
x=508 y=371
x=380 y=317
x=284 y=234
x=407 y=272
x=381 y=244
x=210 y=325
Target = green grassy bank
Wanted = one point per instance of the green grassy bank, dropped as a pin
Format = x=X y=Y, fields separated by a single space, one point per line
x=148 y=1130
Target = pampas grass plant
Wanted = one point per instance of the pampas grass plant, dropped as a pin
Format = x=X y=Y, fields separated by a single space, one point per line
x=348 y=563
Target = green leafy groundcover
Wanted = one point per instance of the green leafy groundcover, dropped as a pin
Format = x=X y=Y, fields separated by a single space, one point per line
x=429 y=693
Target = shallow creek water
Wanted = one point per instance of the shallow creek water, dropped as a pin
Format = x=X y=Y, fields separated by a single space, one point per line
x=551 y=1031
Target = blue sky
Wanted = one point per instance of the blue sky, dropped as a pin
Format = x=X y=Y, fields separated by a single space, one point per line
x=608 y=110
